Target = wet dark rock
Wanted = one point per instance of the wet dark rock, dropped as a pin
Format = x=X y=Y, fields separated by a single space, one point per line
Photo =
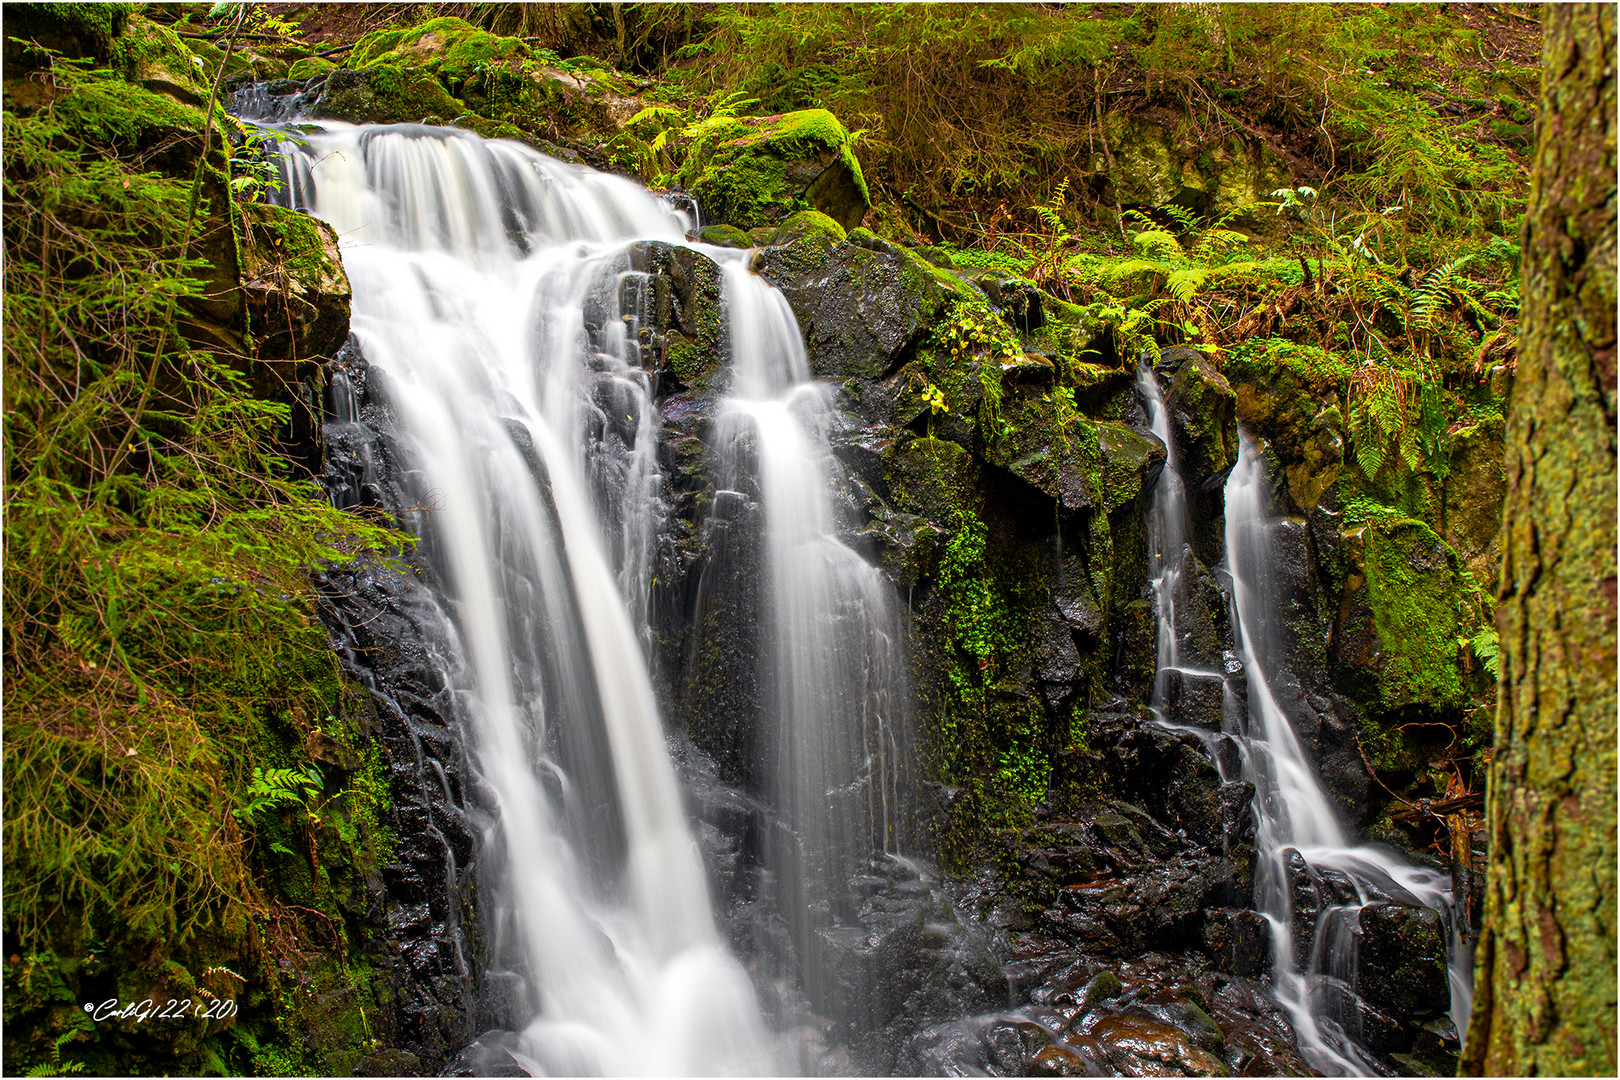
x=1012 y=1044
x=382 y=621
x=1060 y=1060
x=861 y=311
x=1403 y=961
x=1203 y=420
x=389 y=1063
x=490 y=1055
x=1238 y=940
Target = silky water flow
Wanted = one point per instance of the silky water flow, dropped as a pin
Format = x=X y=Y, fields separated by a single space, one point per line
x=487 y=282
x=1298 y=830
x=833 y=688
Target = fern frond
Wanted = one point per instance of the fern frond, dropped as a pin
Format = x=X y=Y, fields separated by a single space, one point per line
x=1135 y=268
x=1157 y=242
x=1185 y=283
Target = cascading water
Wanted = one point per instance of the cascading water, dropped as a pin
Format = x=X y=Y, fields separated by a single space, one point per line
x=831 y=669
x=487 y=286
x=1167 y=564
x=1298 y=830
x=1296 y=823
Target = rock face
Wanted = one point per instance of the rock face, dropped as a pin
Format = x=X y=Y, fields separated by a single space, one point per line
x=1157 y=158
x=862 y=309
x=383 y=621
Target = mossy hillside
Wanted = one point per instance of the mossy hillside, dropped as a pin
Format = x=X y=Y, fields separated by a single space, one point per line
x=447 y=71
x=160 y=642
x=76 y=31
x=153 y=56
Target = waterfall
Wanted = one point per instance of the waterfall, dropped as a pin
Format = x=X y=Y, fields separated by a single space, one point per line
x=490 y=287
x=1298 y=829
x=1167 y=564
x=833 y=686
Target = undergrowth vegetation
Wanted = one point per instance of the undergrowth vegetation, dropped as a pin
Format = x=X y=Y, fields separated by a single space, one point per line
x=160 y=644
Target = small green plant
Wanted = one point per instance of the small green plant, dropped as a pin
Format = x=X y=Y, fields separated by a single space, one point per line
x=1486 y=645
x=972 y=331
x=56 y=1066
x=271 y=790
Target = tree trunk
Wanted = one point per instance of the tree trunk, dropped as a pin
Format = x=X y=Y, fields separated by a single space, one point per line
x=1545 y=970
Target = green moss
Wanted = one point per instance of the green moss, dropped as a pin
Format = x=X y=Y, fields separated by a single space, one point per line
x=1421 y=612
x=127 y=119
x=686 y=358
x=448 y=47
x=990 y=739
x=388 y=94
x=153 y=54
x=307 y=68
x=76 y=29
x=739 y=167
x=808 y=223
x=725 y=236
x=373 y=45
x=299 y=246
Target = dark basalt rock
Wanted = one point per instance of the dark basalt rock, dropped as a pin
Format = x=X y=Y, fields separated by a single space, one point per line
x=1238 y=940
x=383 y=620
x=861 y=311
x=1203 y=419
x=1403 y=961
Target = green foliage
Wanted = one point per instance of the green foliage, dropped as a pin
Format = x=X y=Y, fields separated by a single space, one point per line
x=159 y=628
x=274 y=789
x=984 y=737
x=56 y=1066
x=972 y=333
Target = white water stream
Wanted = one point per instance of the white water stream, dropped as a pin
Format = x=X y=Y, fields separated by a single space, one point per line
x=486 y=282
x=1294 y=817
x=834 y=689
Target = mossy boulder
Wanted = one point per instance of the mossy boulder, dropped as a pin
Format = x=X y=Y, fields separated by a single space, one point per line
x=1474 y=487
x=808 y=223
x=77 y=31
x=725 y=236
x=1078 y=462
x=445 y=46
x=133 y=121
x=154 y=57
x=385 y=94
x=297 y=293
x=449 y=71
x=754 y=171
x=687 y=333
x=306 y=68
x=1296 y=410
x=1404 y=616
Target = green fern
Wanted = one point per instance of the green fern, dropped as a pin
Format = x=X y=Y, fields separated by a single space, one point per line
x=1487 y=645
x=278 y=789
x=56 y=1066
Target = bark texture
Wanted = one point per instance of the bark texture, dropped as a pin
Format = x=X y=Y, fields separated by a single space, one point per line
x=1545 y=970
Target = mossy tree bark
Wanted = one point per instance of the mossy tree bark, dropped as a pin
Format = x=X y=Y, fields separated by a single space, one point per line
x=1545 y=1000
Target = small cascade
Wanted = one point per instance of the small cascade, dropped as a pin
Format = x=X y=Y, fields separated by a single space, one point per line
x=1302 y=845
x=832 y=681
x=495 y=304
x=1304 y=851
x=1168 y=555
